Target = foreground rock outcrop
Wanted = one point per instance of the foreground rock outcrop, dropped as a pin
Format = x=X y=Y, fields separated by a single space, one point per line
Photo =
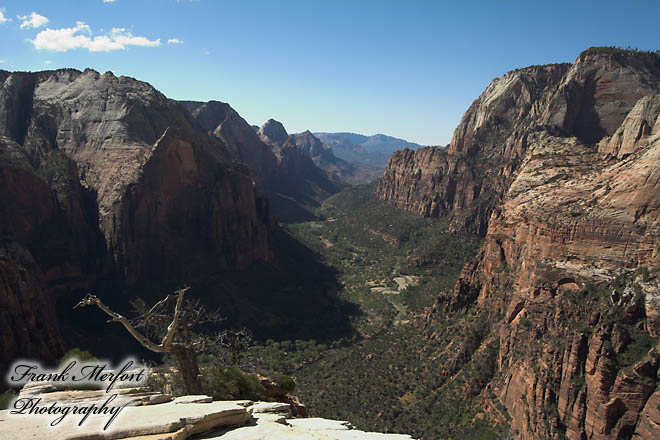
x=559 y=168
x=155 y=416
x=267 y=426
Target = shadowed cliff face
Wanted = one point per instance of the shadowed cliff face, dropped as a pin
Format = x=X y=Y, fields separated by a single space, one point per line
x=568 y=273
x=299 y=176
x=105 y=177
x=323 y=156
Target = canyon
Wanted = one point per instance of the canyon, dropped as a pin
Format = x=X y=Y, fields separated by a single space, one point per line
x=552 y=178
x=109 y=186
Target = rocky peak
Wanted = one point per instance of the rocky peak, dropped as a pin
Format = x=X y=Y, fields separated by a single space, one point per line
x=272 y=156
x=309 y=144
x=242 y=142
x=465 y=180
x=273 y=132
x=599 y=90
x=511 y=102
x=208 y=114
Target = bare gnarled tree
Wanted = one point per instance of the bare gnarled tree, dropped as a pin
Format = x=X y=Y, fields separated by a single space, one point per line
x=178 y=331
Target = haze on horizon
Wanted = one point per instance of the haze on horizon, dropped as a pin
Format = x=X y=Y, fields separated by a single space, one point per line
x=406 y=70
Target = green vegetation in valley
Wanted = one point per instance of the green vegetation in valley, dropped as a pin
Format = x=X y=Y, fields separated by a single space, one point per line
x=389 y=376
x=369 y=242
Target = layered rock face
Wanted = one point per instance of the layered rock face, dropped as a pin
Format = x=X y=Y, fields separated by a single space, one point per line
x=574 y=358
x=588 y=100
x=467 y=179
x=568 y=273
x=105 y=177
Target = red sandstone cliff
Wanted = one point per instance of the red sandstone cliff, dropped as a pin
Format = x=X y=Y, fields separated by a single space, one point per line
x=569 y=272
x=468 y=178
x=588 y=100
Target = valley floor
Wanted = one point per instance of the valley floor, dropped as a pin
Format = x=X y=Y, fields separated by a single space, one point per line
x=387 y=377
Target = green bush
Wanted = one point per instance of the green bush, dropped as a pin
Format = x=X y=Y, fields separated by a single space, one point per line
x=6 y=398
x=162 y=380
x=232 y=383
x=81 y=355
x=644 y=272
x=638 y=347
x=286 y=383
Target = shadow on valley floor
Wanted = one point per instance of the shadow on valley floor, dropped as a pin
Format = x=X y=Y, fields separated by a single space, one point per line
x=289 y=210
x=295 y=297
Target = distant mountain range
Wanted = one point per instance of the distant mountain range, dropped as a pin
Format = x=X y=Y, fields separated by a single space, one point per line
x=371 y=153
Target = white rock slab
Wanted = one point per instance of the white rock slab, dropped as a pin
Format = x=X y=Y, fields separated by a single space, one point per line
x=271 y=407
x=169 y=417
x=194 y=399
x=266 y=427
x=317 y=424
x=182 y=418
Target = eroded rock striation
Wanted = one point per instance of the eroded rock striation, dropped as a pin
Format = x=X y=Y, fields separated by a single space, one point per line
x=568 y=272
x=103 y=176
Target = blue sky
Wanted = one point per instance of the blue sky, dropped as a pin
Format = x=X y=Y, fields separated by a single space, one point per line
x=403 y=68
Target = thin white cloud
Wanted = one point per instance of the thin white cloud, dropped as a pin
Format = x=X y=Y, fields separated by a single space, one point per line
x=80 y=37
x=109 y=1
x=2 y=61
x=48 y=63
x=33 y=20
x=3 y=19
x=174 y=41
